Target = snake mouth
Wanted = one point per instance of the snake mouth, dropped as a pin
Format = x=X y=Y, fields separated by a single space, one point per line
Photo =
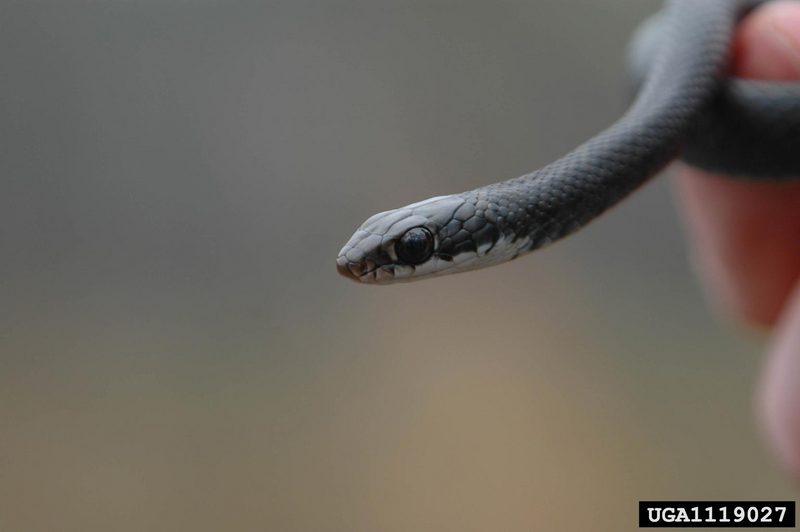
x=356 y=271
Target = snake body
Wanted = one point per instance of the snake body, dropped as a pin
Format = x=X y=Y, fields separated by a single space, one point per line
x=685 y=106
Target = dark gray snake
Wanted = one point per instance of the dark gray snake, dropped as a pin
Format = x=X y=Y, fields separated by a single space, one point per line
x=685 y=106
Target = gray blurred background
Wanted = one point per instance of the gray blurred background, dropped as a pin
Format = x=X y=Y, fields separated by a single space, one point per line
x=178 y=352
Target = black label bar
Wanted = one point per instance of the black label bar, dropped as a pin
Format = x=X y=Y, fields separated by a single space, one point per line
x=717 y=514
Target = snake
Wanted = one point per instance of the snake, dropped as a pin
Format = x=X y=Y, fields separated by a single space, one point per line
x=686 y=105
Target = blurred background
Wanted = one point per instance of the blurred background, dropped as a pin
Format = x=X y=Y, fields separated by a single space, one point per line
x=177 y=351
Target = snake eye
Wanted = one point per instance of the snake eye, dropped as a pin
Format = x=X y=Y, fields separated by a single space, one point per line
x=415 y=246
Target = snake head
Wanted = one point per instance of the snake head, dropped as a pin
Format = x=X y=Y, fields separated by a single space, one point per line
x=446 y=234
x=399 y=244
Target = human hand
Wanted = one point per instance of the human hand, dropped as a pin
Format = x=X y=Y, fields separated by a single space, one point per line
x=745 y=236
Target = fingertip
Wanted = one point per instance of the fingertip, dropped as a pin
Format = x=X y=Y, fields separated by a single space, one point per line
x=767 y=43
